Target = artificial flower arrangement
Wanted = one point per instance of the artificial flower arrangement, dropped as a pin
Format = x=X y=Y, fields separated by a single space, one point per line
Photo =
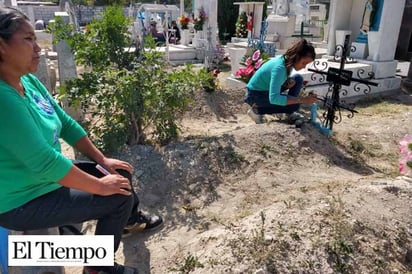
x=184 y=22
x=200 y=20
x=251 y=65
x=405 y=159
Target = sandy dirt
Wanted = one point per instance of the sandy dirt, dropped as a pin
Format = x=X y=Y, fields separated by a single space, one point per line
x=238 y=197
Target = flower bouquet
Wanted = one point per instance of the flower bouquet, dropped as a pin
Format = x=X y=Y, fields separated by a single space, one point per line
x=252 y=64
x=200 y=21
x=405 y=160
x=184 y=22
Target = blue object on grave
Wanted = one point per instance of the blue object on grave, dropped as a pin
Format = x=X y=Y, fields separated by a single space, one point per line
x=270 y=49
x=317 y=125
x=363 y=37
x=4 y=233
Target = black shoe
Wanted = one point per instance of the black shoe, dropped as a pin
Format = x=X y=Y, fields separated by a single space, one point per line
x=115 y=269
x=141 y=222
x=295 y=116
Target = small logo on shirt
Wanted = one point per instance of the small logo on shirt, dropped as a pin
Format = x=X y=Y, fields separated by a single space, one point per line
x=44 y=104
x=55 y=136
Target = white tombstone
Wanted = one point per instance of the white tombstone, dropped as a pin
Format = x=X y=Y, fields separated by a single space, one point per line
x=406 y=84
x=348 y=15
x=67 y=71
x=236 y=56
x=43 y=72
x=282 y=27
x=385 y=39
x=340 y=40
x=10 y=3
x=282 y=7
x=210 y=8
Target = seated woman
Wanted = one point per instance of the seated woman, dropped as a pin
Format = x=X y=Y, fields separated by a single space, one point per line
x=39 y=186
x=174 y=36
x=158 y=36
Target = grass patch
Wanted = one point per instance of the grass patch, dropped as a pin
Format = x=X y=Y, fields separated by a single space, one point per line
x=379 y=105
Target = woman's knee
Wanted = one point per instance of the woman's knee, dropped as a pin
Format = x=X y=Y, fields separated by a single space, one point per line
x=125 y=174
x=298 y=78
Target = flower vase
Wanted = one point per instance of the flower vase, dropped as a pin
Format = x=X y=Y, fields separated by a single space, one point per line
x=199 y=34
x=185 y=40
x=197 y=39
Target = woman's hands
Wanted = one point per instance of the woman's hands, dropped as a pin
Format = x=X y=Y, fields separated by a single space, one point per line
x=309 y=99
x=112 y=164
x=105 y=186
x=114 y=184
x=87 y=148
x=290 y=83
x=110 y=184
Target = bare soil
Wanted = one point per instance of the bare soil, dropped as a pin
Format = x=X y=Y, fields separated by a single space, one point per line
x=238 y=197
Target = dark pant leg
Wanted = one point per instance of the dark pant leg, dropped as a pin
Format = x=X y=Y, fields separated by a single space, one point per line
x=259 y=101
x=66 y=206
x=297 y=88
x=278 y=109
x=90 y=167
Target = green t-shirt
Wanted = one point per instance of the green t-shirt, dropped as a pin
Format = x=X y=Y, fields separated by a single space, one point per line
x=270 y=77
x=30 y=154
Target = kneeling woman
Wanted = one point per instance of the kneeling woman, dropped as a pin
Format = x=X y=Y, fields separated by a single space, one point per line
x=273 y=89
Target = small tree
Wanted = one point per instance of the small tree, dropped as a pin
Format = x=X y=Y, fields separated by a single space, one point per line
x=130 y=99
x=241 y=25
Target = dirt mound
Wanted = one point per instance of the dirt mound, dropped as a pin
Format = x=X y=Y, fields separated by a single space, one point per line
x=221 y=104
x=244 y=198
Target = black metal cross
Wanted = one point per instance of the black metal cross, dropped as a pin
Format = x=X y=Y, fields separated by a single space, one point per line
x=302 y=34
x=338 y=78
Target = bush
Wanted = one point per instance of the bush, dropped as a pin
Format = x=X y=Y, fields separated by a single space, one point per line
x=128 y=99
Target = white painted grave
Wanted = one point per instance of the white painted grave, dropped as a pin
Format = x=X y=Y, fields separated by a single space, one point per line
x=381 y=43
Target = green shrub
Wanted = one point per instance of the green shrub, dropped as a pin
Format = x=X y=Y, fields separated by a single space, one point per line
x=127 y=99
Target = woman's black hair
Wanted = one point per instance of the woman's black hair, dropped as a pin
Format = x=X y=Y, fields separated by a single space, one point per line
x=298 y=51
x=10 y=20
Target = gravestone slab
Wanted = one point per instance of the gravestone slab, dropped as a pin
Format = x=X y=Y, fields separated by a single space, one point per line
x=67 y=71
x=43 y=72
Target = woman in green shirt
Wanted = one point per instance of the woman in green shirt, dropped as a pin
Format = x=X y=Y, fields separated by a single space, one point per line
x=39 y=187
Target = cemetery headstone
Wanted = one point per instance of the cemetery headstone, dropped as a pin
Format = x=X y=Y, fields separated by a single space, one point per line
x=67 y=71
x=43 y=72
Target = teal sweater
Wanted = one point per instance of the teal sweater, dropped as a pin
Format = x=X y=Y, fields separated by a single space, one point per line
x=30 y=154
x=270 y=77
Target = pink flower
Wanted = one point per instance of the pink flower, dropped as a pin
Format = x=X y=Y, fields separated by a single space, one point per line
x=252 y=64
x=405 y=159
x=250 y=69
x=241 y=72
x=256 y=55
x=259 y=63
x=405 y=144
x=402 y=168
x=238 y=72
x=248 y=61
